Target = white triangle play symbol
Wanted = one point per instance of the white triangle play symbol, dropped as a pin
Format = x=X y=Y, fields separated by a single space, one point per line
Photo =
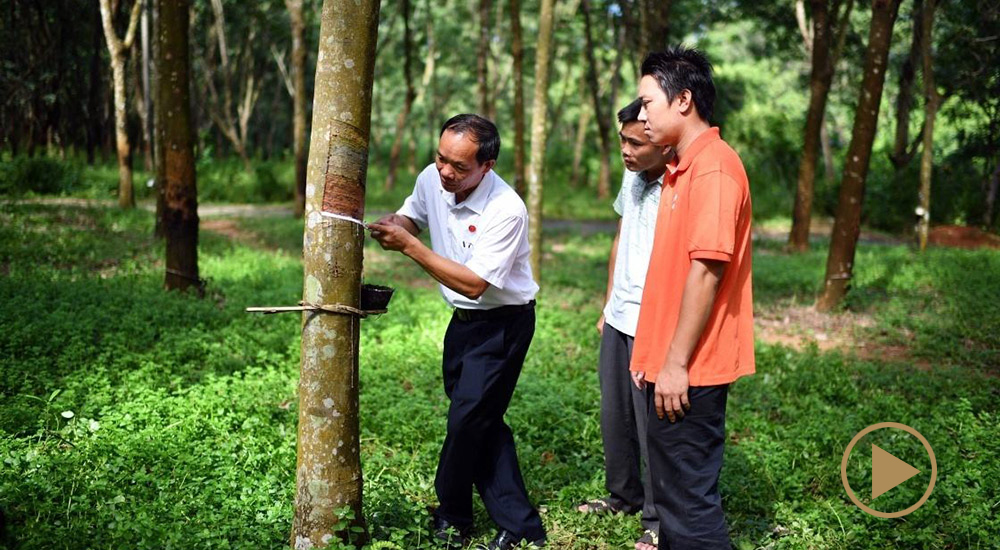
x=888 y=471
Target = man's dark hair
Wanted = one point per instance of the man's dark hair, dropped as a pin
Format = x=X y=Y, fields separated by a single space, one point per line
x=630 y=112
x=677 y=69
x=479 y=130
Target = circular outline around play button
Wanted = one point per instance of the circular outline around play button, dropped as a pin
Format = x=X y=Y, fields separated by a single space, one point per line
x=847 y=454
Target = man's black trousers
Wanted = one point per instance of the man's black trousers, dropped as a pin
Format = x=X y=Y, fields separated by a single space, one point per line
x=685 y=459
x=482 y=362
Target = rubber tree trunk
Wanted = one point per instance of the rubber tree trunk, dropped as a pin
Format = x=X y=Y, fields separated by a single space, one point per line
x=482 y=58
x=411 y=94
x=118 y=49
x=932 y=101
x=539 y=116
x=847 y=224
x=603 y=124
x=517 y=52
x=328 y=473
x=825 y=33
x=175 y=167
x=992 y=187
x=298 y=102
x=655 y=23
x=901 y=153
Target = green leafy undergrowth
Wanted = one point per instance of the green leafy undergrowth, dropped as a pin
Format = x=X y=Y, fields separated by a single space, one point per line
x=133 y=417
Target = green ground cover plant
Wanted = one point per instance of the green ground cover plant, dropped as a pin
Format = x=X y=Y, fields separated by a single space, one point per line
x=131 y=417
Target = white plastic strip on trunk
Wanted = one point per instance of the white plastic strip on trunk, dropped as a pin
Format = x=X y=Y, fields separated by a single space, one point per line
x=345 y=218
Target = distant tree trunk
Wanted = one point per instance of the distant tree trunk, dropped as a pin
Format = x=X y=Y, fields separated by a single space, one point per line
x=901 y=151
x=156 y=77
x=235 y=129
x=118 y=49
x=824 y=141
x=147 y=94
x=847 y=225
x=411 y=94
x=992 y=188
x=654 y=18
x=298 y=102
x=94 y=97
x=482 y=65
x=175 y=167
x=603 y=124
x=578 y=177
x=517 y=51
x=539 y=116
x=818 y=41
x=329 y=461
x=932 y=101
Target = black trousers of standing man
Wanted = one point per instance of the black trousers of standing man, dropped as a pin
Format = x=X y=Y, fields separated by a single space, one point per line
x=483 y=355
x=685 y=459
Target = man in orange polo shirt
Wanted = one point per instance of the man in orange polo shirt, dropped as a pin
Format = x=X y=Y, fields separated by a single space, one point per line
x=695 y=331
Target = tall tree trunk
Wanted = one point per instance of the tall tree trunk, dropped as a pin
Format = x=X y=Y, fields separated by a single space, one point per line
x=411 y=94
x=539 y=116
x=818 y=43
x=654 y=18
x=847 y=225
x=175 y=167
x=298 y=102
x=517 y=51
x=901 y=152
x=94 y=97
x=147 y=90
x=329 y=462
x=578 y=177
x=992 y=189
x=482 y=64
x=932 y=101
x=118 y=49
x=603 y=125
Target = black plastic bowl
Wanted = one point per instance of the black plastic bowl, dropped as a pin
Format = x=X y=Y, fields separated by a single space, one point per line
x=375 y=297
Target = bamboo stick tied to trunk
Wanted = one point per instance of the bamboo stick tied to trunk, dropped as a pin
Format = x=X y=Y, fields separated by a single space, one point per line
x=337 y=309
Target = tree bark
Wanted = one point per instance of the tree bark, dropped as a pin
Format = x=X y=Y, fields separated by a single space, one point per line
x=847 y=224
x=175 y=167
x=578 y=178
x=603 y=125
x=517 y=51
x=147 y=90
x=411 y=94
x=118 y=49
x=901 y=151
x=992 y=189
x=482 y=59
x=298 y=102
x=818 y=41
x=328 y=476
x=932 y=101
x=654 y=18
x=539 y=116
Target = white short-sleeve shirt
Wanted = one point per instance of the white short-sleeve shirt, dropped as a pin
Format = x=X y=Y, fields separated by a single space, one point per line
x=637 y=204
x=487 y=233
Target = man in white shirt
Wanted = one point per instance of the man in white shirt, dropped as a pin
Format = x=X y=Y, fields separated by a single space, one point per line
x=623 y=406
x=480 y=256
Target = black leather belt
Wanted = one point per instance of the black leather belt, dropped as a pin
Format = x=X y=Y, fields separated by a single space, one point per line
x=490 y=314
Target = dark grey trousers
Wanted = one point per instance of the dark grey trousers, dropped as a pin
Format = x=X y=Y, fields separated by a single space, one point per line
x=686 y=459
x=623 y=430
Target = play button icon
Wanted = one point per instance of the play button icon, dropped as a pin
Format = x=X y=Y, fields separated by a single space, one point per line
x=887 y=471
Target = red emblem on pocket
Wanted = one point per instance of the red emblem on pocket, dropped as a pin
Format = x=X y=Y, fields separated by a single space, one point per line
x=472 y=229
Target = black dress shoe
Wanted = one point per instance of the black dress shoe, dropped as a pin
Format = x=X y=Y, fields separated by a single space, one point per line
x=505 y=540
x=450 y=535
